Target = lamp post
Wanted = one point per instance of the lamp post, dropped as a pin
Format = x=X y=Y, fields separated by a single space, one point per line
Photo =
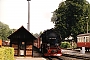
x=87 y=24
x=28 y=24
x=87 y=27
x=83 y=48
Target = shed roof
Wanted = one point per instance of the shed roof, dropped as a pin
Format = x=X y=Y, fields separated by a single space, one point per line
x=22 y=33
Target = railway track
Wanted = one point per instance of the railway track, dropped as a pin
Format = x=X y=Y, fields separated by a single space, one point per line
x=71 y=56
x=74 y=57
x=53 y=58
x=75 y=54
x=65 y=58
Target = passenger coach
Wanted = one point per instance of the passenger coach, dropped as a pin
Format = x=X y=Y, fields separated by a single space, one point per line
x=83 y=40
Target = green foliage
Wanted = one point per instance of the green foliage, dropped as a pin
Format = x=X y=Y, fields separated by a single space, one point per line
x=37 y=35
x=71 y=18
x=5 y=31
x=6 y=53
x=11 y=31
x=65 y=45
x=74 y=45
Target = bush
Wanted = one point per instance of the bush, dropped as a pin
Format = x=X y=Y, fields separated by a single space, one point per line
x=6 y=53
x=74 y=45
x=65 y=45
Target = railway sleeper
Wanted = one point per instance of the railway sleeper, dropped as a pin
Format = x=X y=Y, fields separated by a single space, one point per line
x=86 y=58
x=67 y=55
x=73 y=56
x=59 y=58
x=79 y=57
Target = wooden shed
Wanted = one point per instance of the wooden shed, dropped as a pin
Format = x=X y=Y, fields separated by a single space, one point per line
x=22 y=42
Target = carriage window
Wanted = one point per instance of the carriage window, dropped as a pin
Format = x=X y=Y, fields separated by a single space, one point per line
x=77 y=39
x=84 y=40
x=87 y=39
x=80 y=39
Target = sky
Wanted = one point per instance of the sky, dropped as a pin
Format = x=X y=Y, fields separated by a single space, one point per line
x=15 y=13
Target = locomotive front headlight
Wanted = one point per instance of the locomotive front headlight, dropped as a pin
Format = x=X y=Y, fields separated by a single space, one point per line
x=48 y=44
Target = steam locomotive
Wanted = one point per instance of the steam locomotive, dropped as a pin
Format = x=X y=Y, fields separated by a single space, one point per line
x=49 y=43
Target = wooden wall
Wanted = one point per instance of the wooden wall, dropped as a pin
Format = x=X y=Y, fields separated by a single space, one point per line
x=28 y=50
x=15 y=46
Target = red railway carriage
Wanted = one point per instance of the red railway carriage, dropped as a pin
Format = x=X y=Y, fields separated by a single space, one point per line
x=83 y=40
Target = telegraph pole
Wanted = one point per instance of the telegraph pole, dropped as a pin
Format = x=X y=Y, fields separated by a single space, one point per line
x=87 y=24
x=87 y=27
x=28 y=24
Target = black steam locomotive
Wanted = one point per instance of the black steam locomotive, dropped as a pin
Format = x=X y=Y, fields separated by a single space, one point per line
x=50 y=43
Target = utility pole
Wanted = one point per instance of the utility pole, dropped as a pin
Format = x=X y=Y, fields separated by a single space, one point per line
x=28 y=24
x=87 y=24
x=87 y=27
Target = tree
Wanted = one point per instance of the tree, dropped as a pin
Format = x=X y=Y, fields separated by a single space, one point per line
x=70 y=17
x=5 y=31
x=36 y=35
x=11 y=31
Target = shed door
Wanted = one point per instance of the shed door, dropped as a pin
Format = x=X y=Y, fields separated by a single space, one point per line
x=22 y=48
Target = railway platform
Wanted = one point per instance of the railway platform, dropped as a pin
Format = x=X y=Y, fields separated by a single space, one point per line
x=36 y=56
x=76 y=54
x=29 y=58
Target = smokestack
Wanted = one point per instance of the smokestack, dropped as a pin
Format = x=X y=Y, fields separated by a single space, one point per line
x=28 y=24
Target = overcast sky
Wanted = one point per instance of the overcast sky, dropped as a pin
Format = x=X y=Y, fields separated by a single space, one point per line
x=15 y=13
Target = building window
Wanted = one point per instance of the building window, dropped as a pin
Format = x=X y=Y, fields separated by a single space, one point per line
x=22 y=45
